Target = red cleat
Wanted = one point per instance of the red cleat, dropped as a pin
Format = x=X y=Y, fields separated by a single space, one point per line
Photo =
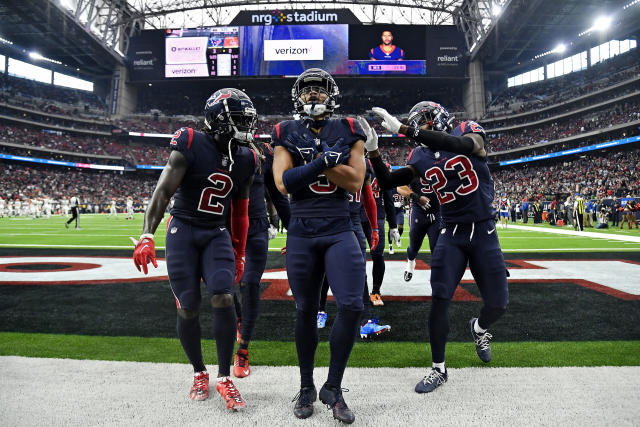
x=241 y=367
x=200 y=389
x=230 y=394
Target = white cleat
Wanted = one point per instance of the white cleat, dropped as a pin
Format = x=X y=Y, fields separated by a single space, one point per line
x=408 y=271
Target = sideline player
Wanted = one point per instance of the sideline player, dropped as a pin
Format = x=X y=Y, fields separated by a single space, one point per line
x=319 y=160
x=385 y=211
x=129 y=208
x=398 y=207
x=74 y=202
x=248 y=302
x=211 y=175
x=455 y=165
x=113 y=209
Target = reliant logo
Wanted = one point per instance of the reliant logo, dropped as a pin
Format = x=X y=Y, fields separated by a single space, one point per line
x=278 y=17
x=447 y=58
x=143 y=62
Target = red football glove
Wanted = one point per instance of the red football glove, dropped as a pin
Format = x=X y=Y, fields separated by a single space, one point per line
x=240 y=260
x=375 y=238
x=144 y=252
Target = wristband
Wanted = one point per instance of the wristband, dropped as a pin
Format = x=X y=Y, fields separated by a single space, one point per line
x=146 y=236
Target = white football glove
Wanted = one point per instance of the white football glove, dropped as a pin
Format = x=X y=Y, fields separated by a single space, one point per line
x=371 y=144
x=395 y=236
x=272 y=232
x=389 y=122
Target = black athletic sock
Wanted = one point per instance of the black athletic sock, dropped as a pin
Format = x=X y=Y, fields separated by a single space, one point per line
x=343 y=335
x=306 y=343
x=378 y=273
x=189 y=334
x=237 y=304
x=489 y=315
x=250 y=309
x=400 y=230
x=323 y=295
x=224 y=332
x=438 y=328
x=366 y=312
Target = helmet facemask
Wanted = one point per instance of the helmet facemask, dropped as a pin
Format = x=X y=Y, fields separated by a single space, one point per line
x=314 y=94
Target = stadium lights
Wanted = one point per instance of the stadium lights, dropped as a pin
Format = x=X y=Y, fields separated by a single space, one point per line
x=38 y=57
x=496 y=10
x=5 y=41
x=602 y=23
x=561 y=48
x=634 y=2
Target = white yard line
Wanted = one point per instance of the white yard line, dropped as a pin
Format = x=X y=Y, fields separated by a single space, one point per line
x=591 y=234
x=63 y=392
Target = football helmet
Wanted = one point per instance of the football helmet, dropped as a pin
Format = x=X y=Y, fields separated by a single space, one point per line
x=432 y=114
x=230 y=112
x=321 y=82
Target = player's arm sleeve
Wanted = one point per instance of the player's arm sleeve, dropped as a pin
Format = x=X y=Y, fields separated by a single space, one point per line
x=369 y=204
x=388 y=180
x=437 y=140
x=240 y=217
x=388 y=208
x=168 y=183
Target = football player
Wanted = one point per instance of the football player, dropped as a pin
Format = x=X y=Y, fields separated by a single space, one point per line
x=129 y=208
x=454 y=163
x=385 y=211
x=361 y=200
x=319 y=161
x=257 y=248
x=503 y=207
x=211 y=173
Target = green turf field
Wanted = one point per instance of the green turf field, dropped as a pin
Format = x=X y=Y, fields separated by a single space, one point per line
x=544 y=325
x=98 y=232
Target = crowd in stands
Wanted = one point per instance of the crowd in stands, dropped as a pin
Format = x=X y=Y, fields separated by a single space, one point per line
x=534 y=96
x=598 y=119
x=19 y=181
x=597 y=176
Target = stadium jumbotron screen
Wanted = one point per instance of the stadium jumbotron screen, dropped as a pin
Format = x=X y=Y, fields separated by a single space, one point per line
x=263 y=51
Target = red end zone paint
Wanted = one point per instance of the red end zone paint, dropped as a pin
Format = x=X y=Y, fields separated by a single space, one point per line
x=69 y=266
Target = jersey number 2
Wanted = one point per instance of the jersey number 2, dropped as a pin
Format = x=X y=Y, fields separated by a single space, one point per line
x=468 y=179
x=222 y=186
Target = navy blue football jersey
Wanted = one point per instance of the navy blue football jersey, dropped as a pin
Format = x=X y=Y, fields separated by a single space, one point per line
x=203 y=197
x=462 y=184
x=398 y=201
x=355 y=199
x=423 y=188
x=320 y=199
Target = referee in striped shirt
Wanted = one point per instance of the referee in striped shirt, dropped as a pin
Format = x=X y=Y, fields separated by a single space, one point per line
x=74 y=202
x=578 y=212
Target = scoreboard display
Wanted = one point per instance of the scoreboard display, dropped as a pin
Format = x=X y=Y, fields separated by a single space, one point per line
x=287 y=50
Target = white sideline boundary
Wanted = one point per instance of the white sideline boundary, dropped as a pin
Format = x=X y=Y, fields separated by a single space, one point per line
x=635 y=239
x=64 y=392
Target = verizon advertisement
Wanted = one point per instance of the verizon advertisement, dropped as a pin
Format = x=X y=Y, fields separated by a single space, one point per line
x=186 y=70
x=293 y=50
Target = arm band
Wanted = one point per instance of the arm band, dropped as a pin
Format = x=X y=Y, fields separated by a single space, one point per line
x=297 y=178
x=441 y=140
x=370 y=207
x=239 y=224
x=388 y=180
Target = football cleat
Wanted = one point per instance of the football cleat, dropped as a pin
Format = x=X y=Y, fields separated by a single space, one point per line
x=322 y=319
x=241 y=366
x=483 y=342
x=409 y=269
x=304 y=402
x=432 y=381
x=391 y=251
x=372 y=329
x=230 y=394
x=376 y=299
x=200 y=389
x=332 y=397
